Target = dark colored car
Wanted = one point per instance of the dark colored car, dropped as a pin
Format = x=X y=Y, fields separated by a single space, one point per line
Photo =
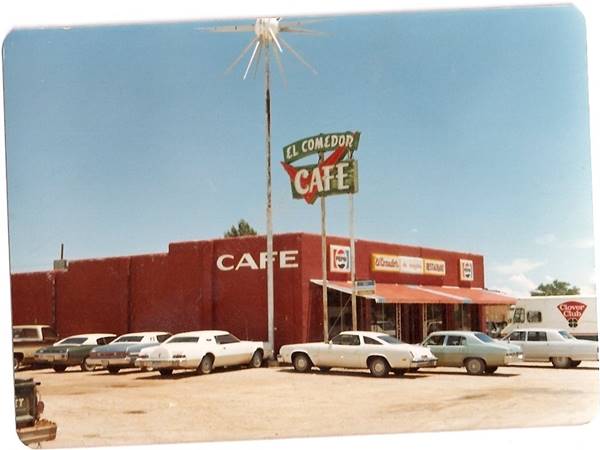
x=31 y=428
x=72 y=351
x=123 y=351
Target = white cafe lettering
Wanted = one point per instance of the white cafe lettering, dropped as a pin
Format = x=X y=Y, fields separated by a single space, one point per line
x=287 y=260
x=322 y=183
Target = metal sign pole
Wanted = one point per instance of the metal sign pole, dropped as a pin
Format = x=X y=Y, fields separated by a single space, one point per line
x=324 y=266
x=270 y=296
x=353 y=265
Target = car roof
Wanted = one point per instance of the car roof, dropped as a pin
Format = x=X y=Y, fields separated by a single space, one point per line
x=202 y=333
x=537 y=329
x=90 y=336
x=144 y=333
x=366 y=333
x=454 y=332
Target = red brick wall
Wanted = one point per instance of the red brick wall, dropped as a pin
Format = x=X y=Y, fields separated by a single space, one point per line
x=32 y=298
x=92 y=297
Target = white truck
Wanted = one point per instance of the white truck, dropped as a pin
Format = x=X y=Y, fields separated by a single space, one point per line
x=574 y=313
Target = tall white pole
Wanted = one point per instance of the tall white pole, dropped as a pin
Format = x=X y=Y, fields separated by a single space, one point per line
x=270 y=295
x=353 y=264
x=324 y=271
x=324 y=266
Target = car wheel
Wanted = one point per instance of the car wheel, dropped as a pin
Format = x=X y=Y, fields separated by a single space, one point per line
x=206 y=365
x=475 y=366
x=575 y=363
x=257 y=359
x=491 y=369
x=165 y=372
x=379 y=367
x=302 y=362
x=85 y=367
x=324 y=368
x=561 y=362
x=59 y=369
x=113 y=370
x=400 y=371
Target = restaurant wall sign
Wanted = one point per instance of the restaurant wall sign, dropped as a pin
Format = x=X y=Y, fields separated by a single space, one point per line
x=466 y=270
x=335 y=173
x=407 y=264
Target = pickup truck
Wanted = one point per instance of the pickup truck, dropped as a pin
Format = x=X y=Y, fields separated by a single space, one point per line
x=28 y=339
x=31 y=428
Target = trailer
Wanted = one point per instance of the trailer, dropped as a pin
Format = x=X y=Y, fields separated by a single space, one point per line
x=574 y=313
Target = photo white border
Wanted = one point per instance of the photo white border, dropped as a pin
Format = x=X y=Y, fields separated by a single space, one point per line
x=39 y=13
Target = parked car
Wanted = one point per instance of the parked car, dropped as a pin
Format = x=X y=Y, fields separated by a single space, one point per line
x=31 y=427
x=378 y=352
x=202 y=351
x=475 y=351
x=72 y=351
x=28 y=339
x=122 y=352
x=557 y=346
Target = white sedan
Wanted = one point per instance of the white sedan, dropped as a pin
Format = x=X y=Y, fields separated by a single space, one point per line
x=378 y=352
x=202 y=351
x=559 y=347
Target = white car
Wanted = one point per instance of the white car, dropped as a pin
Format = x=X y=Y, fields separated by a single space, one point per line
x=378 y=352
x=202 y=351
x=556 y=346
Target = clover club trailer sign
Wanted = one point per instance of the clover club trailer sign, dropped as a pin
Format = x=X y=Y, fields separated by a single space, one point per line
x=335 y=174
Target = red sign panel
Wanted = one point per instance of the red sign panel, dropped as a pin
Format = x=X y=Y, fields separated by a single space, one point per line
x=572 y=310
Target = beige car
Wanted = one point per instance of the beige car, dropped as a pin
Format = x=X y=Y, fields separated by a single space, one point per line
x=559 y=347
x=378 y=352
x=28 y=339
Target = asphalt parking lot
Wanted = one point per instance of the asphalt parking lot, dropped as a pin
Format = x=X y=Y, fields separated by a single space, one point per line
x=133 y=407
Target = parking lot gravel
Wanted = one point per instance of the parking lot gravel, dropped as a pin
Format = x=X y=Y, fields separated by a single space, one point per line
x=133 y=407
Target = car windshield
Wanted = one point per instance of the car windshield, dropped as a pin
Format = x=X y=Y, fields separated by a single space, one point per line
x=566 y=334
x=189 y=339
x=483 y=337
x=389 y=339
x=130 y=339
x=72 y=341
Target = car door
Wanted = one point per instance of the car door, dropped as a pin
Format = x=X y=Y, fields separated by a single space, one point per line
x=537 y=346
x=519 y=338
x=435 y=343
x=455 y=350
x=229 y=350
x=342 y=351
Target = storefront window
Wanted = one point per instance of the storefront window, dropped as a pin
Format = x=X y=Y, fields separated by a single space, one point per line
x=383 y=318
x=462 y=317
x=435 y=318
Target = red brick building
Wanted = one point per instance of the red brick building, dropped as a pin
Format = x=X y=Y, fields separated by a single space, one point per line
x=221 y=284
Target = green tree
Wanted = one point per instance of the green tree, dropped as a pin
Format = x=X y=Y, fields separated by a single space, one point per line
x=243 y=229
x=555 y=288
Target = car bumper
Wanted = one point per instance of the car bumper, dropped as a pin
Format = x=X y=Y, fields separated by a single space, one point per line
x=167 y=363
x=43 y=430
x=423 y=363
x=50 y=358
x=513 y=358
x=114 y=362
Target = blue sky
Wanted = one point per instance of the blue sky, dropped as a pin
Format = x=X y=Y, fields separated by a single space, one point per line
x=474 y=127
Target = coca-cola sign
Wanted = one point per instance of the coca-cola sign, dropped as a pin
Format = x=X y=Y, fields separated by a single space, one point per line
x=572 y=311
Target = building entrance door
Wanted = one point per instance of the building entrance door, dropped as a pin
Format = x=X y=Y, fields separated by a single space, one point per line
x=411 y=317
